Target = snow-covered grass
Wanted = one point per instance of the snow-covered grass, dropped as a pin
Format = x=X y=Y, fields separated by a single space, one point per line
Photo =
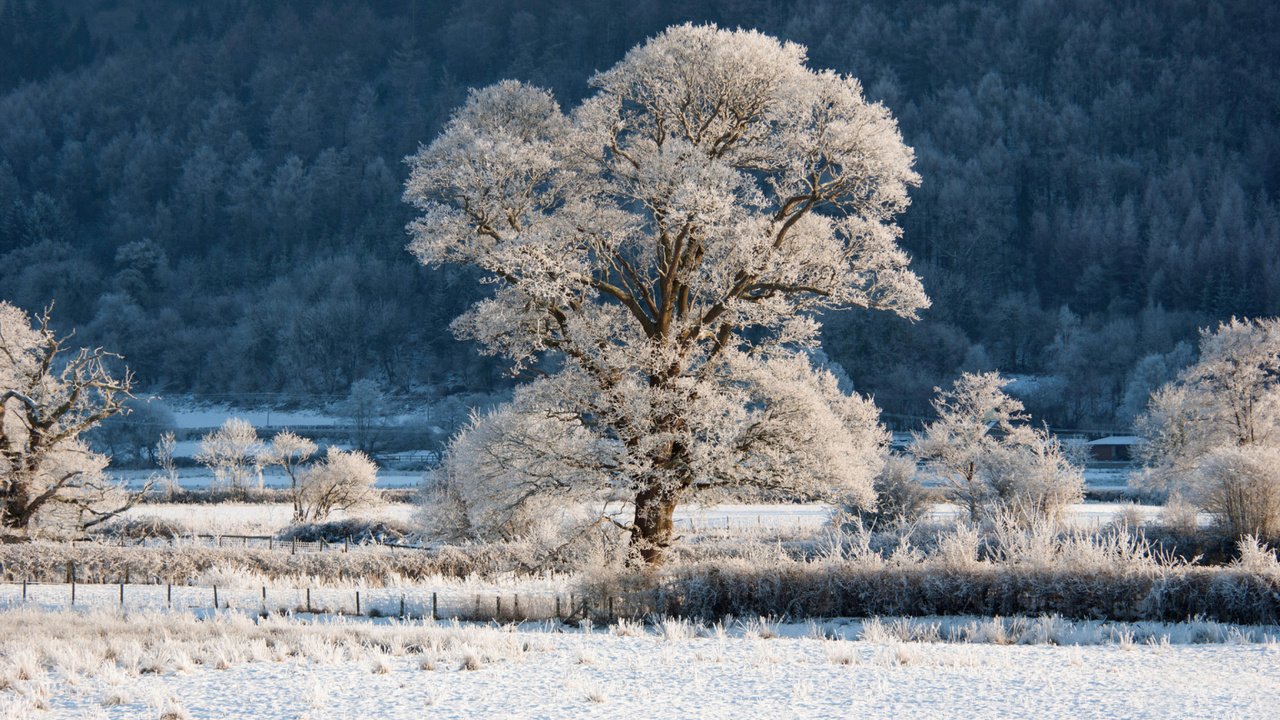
x=104 y=664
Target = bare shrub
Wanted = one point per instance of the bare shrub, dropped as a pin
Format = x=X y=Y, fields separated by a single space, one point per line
x=1240 y=486
x=899 y=494
x=1179 y=515
x=341 y=481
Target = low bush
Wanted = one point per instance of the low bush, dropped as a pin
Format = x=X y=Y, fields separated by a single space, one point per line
x=356 y=530
x=142 y=527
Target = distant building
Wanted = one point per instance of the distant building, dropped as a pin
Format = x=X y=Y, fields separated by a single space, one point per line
x=1114 y=448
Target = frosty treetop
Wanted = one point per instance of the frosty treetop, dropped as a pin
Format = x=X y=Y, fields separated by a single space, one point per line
x=671 y=238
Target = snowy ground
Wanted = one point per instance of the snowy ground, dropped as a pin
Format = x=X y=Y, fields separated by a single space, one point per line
x=201 y=478
x=267 y=518
x=551 y=674
x=234 y=518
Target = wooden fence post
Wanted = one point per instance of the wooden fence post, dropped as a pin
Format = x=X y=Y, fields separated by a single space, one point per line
x=24 y=588
x=434 y=606
x=121 y=594
x=215 y=597
x=357 y=602
x=558 y=615
x=168 y=594
x=308 y=599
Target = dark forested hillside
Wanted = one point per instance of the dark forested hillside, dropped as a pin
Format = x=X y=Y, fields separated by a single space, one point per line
x=213 y=188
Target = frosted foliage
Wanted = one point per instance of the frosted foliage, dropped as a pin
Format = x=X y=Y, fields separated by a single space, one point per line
x=1032 y=477
x=1213 y=435
x=343 y=480
x=971 y=417
x=1230 y=398
x=516 y=471
x=1241 y=486
x=1238 y=379
x=672 y=239
x=232 y=453
x=50 y=479
x=288 y=451
x=991 y=464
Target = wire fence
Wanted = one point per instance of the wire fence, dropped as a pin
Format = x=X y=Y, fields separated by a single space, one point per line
x=401 y=603
x=258 y=542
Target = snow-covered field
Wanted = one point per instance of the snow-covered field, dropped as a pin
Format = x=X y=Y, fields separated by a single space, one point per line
x=201 y=478
x=266 y=518
x=236 y=518
x=235 y=669
x=212 y=416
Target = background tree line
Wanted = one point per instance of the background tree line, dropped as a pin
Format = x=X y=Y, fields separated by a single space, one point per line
x=213 y=188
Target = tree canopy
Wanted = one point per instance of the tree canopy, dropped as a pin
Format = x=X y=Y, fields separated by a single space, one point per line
x=669 y=243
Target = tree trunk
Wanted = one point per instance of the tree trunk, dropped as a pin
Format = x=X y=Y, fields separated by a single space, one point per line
x=17 y=508
x=654 y=525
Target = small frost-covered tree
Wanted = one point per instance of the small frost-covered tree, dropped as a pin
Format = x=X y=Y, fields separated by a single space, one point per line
x=164 y=451
x=663 y=249
x=366 y=408
x=990 y=462
x=288 y=450
x=1210 y=434
x=232 y=453
x=1031 y=477
x=48 y=475
x=343 y=480
x=973 y=417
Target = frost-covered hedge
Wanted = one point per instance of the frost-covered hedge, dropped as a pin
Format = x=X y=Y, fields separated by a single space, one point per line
x=1111 y=576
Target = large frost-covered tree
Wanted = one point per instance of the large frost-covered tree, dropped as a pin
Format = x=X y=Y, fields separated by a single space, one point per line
x=660 y=253
x=48 y=397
